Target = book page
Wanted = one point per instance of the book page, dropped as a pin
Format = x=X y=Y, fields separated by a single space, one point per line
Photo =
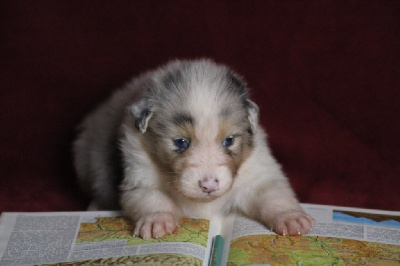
x=355 y=223
x=101 y=237
x=341 y=236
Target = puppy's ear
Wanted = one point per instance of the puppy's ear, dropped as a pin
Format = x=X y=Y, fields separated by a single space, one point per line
x=140 y=114
x=252 y=114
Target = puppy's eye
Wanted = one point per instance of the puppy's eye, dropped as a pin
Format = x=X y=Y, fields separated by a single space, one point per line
x=181 y=143
x=228 y=142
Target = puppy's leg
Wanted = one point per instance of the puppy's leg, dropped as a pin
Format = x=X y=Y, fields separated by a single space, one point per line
x=275 y=205
x=152 y=211
x=279 y=209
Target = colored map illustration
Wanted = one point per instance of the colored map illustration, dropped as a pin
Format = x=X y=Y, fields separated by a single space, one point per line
x=119 y=228
x=310 y=250
x=367 y=218
x=193 y=231
x=150 y=259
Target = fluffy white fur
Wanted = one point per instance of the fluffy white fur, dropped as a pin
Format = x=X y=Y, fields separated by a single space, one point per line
x=129 y=153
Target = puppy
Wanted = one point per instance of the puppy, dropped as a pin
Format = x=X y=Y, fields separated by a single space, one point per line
x=184 y=140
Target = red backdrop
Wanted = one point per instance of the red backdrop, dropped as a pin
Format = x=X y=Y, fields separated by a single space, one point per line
x=326 y=75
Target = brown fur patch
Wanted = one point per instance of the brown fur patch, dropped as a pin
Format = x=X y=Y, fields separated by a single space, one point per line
x=240 y=150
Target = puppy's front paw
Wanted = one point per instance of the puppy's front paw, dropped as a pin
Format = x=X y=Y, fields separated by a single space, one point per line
x=293 y=222
x=155 y=225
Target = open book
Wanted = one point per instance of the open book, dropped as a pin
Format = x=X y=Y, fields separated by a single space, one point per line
x=342 y=236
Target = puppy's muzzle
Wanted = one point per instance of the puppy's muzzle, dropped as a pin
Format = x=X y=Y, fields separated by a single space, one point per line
x=209 y=184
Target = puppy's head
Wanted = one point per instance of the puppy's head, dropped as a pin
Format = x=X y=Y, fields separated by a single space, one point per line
x=197 y=123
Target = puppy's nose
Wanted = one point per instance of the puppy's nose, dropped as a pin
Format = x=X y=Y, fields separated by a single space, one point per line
x=209 y=184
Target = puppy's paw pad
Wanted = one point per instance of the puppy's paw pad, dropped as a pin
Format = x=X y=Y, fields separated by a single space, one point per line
x=155 y=225
x=293 y=223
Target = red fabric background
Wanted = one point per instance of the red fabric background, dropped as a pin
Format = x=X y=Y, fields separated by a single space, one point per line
x=326 y=75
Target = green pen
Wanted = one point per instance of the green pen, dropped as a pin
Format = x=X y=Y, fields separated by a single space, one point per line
x=216 y=251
